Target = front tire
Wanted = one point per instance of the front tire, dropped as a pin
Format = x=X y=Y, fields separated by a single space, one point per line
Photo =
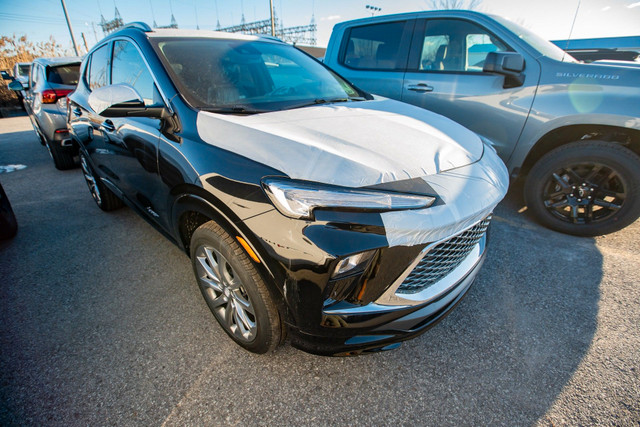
x=234 y=290
x=585 y=188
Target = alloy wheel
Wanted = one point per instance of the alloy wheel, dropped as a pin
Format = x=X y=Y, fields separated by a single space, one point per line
x=584 y=193
x=225 y=294
x=91 y=180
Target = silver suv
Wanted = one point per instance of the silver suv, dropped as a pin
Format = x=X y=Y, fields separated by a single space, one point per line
x=50 y=81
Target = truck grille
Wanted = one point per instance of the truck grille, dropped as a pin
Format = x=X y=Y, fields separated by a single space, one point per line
x=443 y=258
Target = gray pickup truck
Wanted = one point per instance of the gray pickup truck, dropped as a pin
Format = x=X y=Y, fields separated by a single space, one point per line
x=572 y=129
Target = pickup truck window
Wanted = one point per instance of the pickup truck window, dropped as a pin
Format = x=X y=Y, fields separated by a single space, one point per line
x=544 y=47
x=456 y=45
x=374 y=47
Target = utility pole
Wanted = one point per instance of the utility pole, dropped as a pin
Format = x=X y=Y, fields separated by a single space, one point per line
x=273 y=21
x=73 y=39
x=86 y=46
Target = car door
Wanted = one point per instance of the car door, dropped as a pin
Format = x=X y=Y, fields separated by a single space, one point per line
x=374 y=56
x=133 y=141
x=86 y=124
x=444 y=74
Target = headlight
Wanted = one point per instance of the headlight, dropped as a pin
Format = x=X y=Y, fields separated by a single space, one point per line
x=298 y=199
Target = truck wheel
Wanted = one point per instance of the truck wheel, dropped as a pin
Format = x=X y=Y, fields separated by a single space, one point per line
x=104 y=198
x=61 y=159
x=234 y=290
x=585 y=188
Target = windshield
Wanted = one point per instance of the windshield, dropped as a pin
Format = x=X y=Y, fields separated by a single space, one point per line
x=545 y=47
x=64 y=74
x=249 y=76
x=23 y=70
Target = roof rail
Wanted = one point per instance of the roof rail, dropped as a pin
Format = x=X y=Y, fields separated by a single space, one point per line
x=139 y=25
x=268 y=37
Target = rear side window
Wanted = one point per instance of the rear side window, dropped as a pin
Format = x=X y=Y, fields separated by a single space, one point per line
x=99 y=67
x=129 y=67
x=374 y=47
x=64 y=74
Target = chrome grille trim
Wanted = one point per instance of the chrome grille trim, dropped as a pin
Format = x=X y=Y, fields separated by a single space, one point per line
x=443 y=258
x=391 y=297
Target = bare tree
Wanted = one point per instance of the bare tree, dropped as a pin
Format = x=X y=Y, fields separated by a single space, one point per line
x=453 y=4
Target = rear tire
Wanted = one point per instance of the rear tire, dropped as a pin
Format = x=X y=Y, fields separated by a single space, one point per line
x=104 y=198
x=63 y=160
x=234 y=290
x=585 y=188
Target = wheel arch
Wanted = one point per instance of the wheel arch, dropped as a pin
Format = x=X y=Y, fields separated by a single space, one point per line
x=193 y=206
x=563 y=135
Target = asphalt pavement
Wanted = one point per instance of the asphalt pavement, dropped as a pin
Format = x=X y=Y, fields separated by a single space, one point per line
x=103 y=324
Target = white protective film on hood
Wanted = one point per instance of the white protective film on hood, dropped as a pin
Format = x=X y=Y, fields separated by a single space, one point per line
x=469 y=193
x=351 y=144
x=366 y=143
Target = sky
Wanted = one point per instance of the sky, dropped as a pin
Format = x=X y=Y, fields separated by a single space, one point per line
x=552 y=19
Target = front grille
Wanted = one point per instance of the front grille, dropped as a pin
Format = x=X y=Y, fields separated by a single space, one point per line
x=443 y=258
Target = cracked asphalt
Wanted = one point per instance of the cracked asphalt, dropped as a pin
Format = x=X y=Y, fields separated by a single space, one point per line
x=103 y=324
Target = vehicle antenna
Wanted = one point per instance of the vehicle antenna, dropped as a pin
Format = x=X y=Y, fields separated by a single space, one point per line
x=571 y=30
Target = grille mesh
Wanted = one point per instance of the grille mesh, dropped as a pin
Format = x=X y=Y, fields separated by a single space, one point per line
x=443 y=259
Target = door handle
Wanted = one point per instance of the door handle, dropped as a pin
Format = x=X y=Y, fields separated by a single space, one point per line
x=108 y=126
x=77 y=111
x=420 y=87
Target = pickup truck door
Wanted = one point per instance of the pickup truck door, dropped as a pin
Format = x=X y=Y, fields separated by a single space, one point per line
x=444 y=74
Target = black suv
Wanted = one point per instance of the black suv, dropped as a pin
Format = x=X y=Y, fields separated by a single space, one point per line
x=306 y=205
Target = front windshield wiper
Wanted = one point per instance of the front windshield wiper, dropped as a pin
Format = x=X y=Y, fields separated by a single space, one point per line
x=235 y=109
x=319 y=101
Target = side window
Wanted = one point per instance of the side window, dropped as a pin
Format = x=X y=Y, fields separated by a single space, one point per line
x=129 y=67
x=99 y=67
x=374 y=47
x=454 y=45
x=33 y=78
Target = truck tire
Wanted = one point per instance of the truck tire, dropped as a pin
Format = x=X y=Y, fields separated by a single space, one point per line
x=585 y=188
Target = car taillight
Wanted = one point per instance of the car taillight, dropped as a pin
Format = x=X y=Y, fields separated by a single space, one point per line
x=50 y=96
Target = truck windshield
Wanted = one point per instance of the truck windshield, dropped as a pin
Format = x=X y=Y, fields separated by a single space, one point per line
x=238 y=76
x=545 y=47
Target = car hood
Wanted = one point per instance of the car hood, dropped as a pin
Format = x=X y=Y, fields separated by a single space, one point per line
x=351 y=144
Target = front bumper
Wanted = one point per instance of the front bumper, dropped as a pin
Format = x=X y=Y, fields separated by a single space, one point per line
x=348 y=329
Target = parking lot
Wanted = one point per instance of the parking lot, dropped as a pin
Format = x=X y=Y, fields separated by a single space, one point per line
x=103 y=323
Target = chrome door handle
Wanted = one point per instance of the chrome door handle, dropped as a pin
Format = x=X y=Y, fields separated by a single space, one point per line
x=420 y=87
x=108 y=126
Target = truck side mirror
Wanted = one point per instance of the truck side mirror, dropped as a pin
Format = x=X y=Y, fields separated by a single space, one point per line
x=509 y=64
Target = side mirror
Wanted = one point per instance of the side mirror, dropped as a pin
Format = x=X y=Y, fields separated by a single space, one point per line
x=509 y=64
x=15 y=85
x=6 y=75
x=121 y=100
